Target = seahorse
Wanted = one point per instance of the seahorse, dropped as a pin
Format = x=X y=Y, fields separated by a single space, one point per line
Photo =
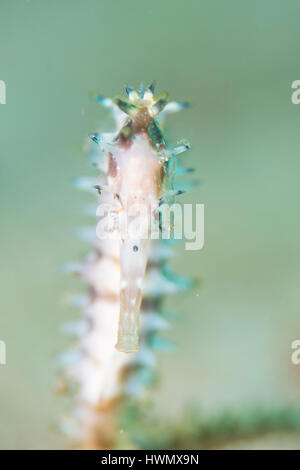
x=126 y=274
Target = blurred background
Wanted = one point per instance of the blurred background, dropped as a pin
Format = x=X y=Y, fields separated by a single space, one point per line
x=234 y=62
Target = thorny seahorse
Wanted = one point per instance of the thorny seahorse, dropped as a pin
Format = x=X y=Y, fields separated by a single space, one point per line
x=126 y=274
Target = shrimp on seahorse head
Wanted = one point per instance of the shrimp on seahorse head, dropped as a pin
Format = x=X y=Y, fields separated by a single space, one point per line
x=138 y=167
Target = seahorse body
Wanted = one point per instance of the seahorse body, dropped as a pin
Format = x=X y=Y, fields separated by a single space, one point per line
x=125 y=274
